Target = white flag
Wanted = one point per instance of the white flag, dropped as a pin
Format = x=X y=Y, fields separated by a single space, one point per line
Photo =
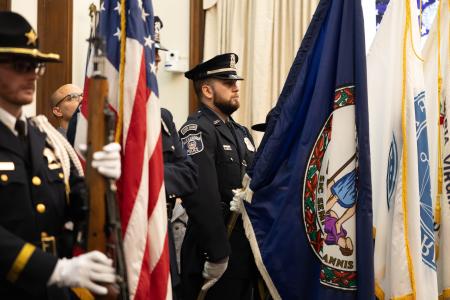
x=404 y=244
x=437 y=86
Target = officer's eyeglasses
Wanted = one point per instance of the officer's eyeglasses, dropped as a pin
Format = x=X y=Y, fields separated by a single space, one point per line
x=26 y=66
x=70 y=97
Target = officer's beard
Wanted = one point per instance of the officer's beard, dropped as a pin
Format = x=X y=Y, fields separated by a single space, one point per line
x=226 y=106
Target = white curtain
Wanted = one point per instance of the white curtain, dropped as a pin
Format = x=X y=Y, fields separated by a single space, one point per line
x=266 y=35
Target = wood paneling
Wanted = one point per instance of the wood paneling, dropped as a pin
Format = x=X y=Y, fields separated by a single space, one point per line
x=5 y=5
x=55 y=35
x=196 y=43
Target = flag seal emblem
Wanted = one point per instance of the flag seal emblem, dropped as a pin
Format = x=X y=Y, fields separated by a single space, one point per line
x=392 y=172
x=329 y=194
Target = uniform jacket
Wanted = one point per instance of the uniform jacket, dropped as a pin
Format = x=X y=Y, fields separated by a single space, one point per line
x=180 y=179
x=33 y=204
x=222 y=160
x=180 y=172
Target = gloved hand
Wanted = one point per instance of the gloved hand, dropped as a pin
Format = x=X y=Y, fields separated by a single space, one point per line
x=240 y=195
x=236 y=203
x=84 y=271
x=215 y=270
x=107 y=162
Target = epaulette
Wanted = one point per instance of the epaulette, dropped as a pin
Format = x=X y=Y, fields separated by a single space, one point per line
x=195 y=116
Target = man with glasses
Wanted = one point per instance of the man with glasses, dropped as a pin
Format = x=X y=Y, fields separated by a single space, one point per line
x=39 y=190
x=65 y=101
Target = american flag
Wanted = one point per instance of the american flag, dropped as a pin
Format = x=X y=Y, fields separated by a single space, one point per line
x=141 y=187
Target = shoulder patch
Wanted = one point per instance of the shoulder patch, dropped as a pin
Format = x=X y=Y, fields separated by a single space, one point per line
x=189 y=127
x=193 y=143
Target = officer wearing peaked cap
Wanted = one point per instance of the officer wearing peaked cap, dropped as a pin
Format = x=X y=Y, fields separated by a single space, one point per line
x=39 y=190
x=222 y=149
x=180 y=172
x=157 y=38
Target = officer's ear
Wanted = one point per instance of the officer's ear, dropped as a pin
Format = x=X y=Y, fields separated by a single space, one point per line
x=207 y=90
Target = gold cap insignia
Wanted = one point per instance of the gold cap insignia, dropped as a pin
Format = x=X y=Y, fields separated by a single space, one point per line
x=157 y=31
x=32 y=37
x=157 y=26
x=233 y=61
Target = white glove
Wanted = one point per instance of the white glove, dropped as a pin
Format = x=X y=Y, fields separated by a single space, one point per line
x=214 y=270
x=236 y=202
x=240 y=195
x=107 y=162
x=84 y=271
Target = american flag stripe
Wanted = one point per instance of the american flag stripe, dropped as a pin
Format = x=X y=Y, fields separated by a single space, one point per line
x=141 y=187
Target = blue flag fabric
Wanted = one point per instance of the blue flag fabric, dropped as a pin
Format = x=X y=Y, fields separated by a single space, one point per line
x=310 y=220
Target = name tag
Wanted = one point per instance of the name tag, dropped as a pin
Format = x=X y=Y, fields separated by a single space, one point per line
x=7 y=166
x=227 y=147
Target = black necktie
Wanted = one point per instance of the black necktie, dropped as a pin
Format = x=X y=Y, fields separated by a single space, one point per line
x=20 y=128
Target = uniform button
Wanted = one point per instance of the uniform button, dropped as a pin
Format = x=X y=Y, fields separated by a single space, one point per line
x=36 y=180
x=40 y=208
x=173 y=147
x=61 y=175
x=231 y=158
x=4 y=177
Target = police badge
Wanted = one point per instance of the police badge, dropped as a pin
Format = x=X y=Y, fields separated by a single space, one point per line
x=249 y=144
x=233 y=61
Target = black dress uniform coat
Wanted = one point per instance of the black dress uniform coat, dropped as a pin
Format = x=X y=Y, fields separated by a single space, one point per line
x=222 y=152
x=33 y=205
x=180 y=172
x=180 y=180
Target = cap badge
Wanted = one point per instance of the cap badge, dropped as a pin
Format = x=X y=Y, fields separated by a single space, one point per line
x=32 y=37
x=233 y=61
x=157 y=26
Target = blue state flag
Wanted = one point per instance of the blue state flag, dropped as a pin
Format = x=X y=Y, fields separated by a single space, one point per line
x=310 y=219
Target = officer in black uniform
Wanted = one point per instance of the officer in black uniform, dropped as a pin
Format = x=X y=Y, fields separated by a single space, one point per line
x=36 y=196
x=180 y=172
x=222 y=149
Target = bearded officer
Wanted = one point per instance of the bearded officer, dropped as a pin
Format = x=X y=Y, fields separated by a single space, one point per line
x=222 y=149
x=40 y=186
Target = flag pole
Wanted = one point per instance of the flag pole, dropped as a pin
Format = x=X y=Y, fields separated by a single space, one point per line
x=123 y=39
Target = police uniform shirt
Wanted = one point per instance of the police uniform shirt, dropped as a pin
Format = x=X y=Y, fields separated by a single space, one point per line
x=221 y=156
x=33 y=207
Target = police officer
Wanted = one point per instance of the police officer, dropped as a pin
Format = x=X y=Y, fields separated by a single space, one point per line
x=222 y=149
x=39 y=191
x=180 y=172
